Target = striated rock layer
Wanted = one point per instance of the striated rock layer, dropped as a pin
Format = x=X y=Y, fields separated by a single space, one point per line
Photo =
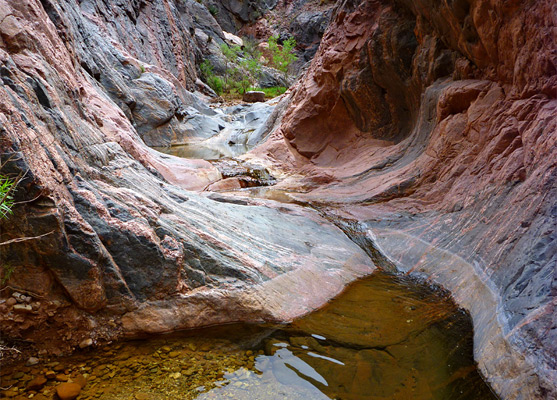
x=426 y=130
x=434 y=125
x=122 y=243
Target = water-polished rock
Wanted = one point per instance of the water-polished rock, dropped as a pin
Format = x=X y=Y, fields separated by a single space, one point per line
x=68 y=391
x=440 y=139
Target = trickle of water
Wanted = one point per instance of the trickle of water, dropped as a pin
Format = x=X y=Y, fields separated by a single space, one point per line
x=385 y=337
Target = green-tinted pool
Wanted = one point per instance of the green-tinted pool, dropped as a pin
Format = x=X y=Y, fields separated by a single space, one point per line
x=386 y=337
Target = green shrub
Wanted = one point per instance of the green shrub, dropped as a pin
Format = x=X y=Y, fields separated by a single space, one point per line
x=206 y=69
x=216 y=83
x=272 y=91
x=6 y=199
x=283 y=56
x=251 y=49
x=213 y=10
x=7 y=187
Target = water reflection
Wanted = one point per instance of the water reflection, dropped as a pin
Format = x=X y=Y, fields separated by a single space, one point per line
x=384 y=338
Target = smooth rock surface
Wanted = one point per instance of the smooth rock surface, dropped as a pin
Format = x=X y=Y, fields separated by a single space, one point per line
x=425 y=130
x=415 y=121
x=68 y=391
x=125 y=243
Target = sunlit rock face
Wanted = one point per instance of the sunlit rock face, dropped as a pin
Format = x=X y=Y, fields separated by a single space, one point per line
x=434 y=124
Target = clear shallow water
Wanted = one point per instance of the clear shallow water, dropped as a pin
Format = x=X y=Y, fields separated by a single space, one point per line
x=385 y=337
x=198 y=151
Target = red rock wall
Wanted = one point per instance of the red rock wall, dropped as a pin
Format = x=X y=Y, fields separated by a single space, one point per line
x=435 y=124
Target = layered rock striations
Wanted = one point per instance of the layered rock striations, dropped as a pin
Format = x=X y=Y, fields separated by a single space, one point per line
x=433 y=125
x=425 y=130
x=109 y=237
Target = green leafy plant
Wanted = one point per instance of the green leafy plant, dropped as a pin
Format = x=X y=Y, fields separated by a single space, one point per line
x=206 y=69
x=215 y=82
x=253 y=69
x=7 y=271
x=242 y=70
x=251 y=49
x=7 y=186
x=213 y=10
x=231 y=56
x=282 y=56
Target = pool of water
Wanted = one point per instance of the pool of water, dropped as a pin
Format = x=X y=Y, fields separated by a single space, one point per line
x=385 y=337
x=202 y=152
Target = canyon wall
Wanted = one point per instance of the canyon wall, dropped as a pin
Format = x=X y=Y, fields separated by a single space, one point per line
x=424 y=129
x=433 y=125
x=110 y=238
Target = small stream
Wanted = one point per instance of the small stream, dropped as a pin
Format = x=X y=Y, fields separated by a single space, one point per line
x=385 y=337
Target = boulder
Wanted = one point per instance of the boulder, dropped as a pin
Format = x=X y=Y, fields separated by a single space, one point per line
x=36 y=383
x=68 y=391
x=253 y=96
x=232 y=39
x=271 y=77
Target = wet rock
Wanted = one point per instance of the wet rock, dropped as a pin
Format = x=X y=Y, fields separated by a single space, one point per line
x=68 y=391
x=86 y=343
x=253 y=96
x=58 y=367
x=10 y=393
x=11 y=301
x=32 y=360
x=37 y=383
x=80 y=380
x=50 y=374
x=61 y=377
x=363 y=134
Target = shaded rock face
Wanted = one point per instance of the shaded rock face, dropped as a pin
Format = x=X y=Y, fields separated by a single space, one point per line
x=142 y=54
x=124 y=245
x=304 y=20
x=436 y=124
x=233 y=14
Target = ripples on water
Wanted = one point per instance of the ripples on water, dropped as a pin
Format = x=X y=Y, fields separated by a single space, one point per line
x=385 y=337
